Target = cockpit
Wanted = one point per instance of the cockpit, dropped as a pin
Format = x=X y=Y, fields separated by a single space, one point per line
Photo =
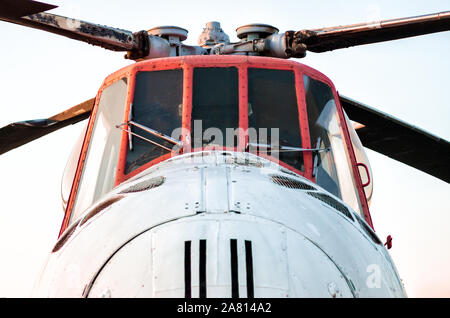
x=281 y=110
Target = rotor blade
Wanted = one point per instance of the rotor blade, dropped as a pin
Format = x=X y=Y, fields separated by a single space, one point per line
x=20 y=8
x=400 y=141
x=95 y=34
x=328 y=39
x=17 y=134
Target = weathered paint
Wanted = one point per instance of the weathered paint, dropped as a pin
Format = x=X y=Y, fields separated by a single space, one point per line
x=134 y=247
x=242 y=63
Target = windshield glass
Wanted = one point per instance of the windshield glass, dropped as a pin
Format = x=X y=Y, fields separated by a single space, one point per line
x=332 y=168
x=361 y=157
x=273 y=113
x=157 y=104
x=99 y=171
x=215 y=107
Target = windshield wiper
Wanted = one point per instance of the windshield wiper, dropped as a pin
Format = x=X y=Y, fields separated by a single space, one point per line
x=150 y=131
x=316 y=157
x=284 y=148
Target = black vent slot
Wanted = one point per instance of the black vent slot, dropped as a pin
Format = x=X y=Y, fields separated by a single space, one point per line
x=368 y=231
x=145 y=185
x=290 y=183
x=332 y=203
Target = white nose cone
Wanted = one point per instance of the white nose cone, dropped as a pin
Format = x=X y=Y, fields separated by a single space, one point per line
x=231 y=255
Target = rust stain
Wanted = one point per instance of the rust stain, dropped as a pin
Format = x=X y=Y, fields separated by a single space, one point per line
x=145 y=185
x=103 y=31
x=69 y=232
x=101 y=207
x=65 y=237
x=49 y=19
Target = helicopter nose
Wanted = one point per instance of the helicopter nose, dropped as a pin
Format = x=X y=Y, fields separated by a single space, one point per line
x=230 y=255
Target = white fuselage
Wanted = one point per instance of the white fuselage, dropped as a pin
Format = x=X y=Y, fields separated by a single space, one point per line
x=219 y=224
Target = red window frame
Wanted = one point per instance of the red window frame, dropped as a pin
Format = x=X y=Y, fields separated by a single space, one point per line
x=242 y=63
x=348 y=143
x=302 y=120
x=125 y=72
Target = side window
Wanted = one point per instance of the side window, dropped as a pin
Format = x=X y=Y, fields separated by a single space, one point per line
x=215 y=107
x=157 y=104
x=361 y=157
x=71 y=168
x=99 y=171
x=332 y=167
x=272 y=104
x=323 y=125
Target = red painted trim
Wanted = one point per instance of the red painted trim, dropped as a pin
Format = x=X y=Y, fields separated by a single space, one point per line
x=360 y=164
x=147 y=165
x=188 y=63
x=281 y=163
x=87 y=138
x=344 y=130
x=188 y=77
x=243 y=108
x=212 y=148
x=351 y=152
x=304 y=124
x=388 y=243
x=121 y=176
x=316 y=75
x=296 y=68
x=80 y=164
x=121 y=165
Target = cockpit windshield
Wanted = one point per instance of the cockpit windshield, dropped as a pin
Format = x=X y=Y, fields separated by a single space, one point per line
x=273 y=113
x=157 y=104
x=102 y=157
x=331 y=168
x=241 y=107
x=215 y=107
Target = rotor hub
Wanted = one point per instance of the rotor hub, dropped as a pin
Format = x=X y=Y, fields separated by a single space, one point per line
x=213 y=34
x=171 y=33
x=255 y=31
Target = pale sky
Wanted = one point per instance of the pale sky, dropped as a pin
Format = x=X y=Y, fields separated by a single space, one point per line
x=43 y=74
